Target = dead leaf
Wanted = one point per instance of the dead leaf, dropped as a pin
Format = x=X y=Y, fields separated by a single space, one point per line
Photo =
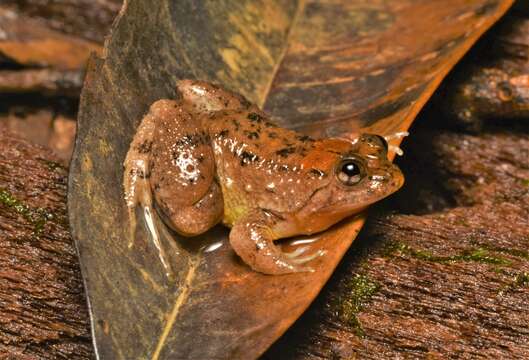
x=326 y=68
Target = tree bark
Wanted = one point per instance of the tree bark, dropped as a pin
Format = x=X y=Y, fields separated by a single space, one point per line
x=43 y=314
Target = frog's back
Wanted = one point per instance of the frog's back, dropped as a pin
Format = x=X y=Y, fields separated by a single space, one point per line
x=260 y=164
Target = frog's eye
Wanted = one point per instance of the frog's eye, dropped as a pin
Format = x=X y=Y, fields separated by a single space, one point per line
x=350 y=171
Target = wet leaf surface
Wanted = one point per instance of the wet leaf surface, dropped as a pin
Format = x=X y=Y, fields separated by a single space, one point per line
x=327 y=69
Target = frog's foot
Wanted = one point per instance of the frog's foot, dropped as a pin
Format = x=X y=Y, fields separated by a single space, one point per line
x=317 y=254
x=396 y=136
x=295 y=255
x=253 y=240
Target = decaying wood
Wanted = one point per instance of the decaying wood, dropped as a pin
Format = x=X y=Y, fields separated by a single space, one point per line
x=42 y=307
x=46 y=81
x=48 y=121
x=493 y=81
x=86 y=19
x=55 y=37
x=28 y=42
x=44 y=46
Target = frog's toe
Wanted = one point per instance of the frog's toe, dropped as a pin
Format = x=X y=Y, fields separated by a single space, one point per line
x=306 y=259
x=294 y=254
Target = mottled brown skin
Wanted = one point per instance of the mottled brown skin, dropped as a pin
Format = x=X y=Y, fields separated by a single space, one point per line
x=212 y=156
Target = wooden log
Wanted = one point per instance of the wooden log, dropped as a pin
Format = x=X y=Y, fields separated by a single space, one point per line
x=43 y=314
x=56 y=37
x=48 y=82
x=86 y=19
x=41 y=120
x=492 y=83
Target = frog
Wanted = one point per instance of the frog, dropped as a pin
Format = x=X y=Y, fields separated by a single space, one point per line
x=210 y=156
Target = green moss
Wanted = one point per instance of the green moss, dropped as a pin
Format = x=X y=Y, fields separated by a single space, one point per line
x=480 y=255
x=10 y=201
x=520 y=280
x=359 y=291
x=513 y=252
x=525 y=182
x=52 y=165
x=36 y=217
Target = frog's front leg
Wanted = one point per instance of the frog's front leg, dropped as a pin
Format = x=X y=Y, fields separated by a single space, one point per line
x=252 y=238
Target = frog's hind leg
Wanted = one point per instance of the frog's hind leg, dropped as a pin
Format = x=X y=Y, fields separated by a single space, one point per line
x=252 y=238
x=182 y=170
x=197 y=218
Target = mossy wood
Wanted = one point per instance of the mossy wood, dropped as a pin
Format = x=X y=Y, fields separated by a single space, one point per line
x=325 y=68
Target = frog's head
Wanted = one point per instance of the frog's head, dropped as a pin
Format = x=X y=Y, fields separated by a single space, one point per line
x=358 y=174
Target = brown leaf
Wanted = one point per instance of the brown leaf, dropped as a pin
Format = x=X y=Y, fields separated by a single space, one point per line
x=328 y=69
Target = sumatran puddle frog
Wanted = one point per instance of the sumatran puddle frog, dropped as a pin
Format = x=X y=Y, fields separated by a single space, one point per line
x=210 y=156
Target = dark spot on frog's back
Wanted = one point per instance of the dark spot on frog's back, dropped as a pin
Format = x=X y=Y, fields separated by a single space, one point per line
x=236 y=124
x=255 y=117
x=144 y=147
x=223 y=133
x=304 y=138
x=285 y=151
x=283 y=168
x=193 y=139
x=252 y=135
x=247 y=158
x=272 y=135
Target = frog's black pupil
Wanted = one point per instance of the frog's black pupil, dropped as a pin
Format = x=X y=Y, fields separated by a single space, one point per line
x=350 y=169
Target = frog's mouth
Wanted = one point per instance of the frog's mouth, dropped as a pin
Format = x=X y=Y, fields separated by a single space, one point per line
x=340 y=212
x=326 y=217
